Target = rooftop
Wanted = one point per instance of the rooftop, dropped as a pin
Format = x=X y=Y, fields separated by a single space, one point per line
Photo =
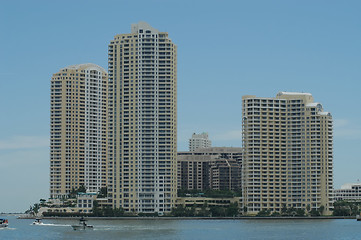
x=86 y=66
x=294 y=93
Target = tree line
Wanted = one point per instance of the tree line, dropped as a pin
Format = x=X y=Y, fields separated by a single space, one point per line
x=346 y=208
x=205 y=211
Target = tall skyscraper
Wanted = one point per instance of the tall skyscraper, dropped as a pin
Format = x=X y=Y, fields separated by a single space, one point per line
x=199 y=141
x=142 y=120
x=288 y=153
x=78 y=129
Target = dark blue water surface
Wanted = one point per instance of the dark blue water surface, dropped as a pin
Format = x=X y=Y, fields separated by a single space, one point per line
x=185 y=229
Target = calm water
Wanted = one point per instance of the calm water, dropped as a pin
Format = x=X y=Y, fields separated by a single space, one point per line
x=185 y=229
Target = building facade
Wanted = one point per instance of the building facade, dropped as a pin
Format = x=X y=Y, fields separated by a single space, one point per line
x=217 y=168
x=85 y=202
x=199 y=202
x=78 y=129
x=142 y=133
x=288 y=153
x=225 y=174
x=348 y=192
x=199 y=141
x=193 y=172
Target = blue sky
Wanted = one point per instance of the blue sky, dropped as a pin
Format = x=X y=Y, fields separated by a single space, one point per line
x=226 y=49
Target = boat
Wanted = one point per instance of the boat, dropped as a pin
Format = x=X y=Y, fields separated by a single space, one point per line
x=3 y=223
x=38 y=222
x=358 y=218
x=82 y=225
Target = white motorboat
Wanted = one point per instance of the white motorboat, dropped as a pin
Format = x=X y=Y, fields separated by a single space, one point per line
x=38 y=222
x=82 y=225
x=3 y=223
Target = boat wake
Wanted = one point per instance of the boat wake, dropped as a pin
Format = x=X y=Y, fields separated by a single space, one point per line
x=7 y=228
x=51 y=224
x=57 y=225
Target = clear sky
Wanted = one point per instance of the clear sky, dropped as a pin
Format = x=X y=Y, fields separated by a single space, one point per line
x=226 y=49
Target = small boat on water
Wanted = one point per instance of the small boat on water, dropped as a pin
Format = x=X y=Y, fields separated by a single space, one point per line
x=38 y=222
x=3 y=223
x=82 y=225
x=358 y=218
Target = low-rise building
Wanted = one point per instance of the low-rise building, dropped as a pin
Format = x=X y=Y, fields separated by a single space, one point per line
x=348 y=191
x=85 y=202
x=198 y=202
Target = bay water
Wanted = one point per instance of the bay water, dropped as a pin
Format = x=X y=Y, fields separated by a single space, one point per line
x=185 y=229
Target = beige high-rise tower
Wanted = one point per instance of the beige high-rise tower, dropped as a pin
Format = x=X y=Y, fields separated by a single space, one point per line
x=288 y=153
x=199 y=141
x=142 y=120
x=78 y=129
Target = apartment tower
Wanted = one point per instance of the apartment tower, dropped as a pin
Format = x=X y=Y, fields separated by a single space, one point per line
x=288 y=153
x=78 y=129
x=215 y=168
x=199 y=141
x=142 y=120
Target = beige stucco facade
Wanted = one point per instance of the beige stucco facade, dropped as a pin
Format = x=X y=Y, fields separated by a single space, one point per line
x=142 y=120
x=288 y=153
x=78 y=129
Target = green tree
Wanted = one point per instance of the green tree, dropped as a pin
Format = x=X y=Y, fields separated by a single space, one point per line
x=33 y=210
x=179 y=211
x=74 y=191
x=97 y=212
x=355 y=210
x=291 y=211
x=245 y=209
x=108 y=212
x=217 y=211
x=300 y=212
x=209 y=193
x=264 y=213
x=232 y=210
x=204 y=212
x=314 y=213
x=284 y=209
x=275 y=214
x=30 y=210
x=103 y=192
x=118 y=212
x=192 y=211
x=42 y=202
x=81 y=189
x=346 y=208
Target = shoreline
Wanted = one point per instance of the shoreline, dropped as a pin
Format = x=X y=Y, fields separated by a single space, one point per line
x=197 y=218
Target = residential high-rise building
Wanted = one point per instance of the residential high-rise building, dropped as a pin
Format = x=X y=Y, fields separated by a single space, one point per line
x=78 y=129
x=199 y=141
x=288 y=153
x=225 y=174
x=215 y=168
x=142 y=120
